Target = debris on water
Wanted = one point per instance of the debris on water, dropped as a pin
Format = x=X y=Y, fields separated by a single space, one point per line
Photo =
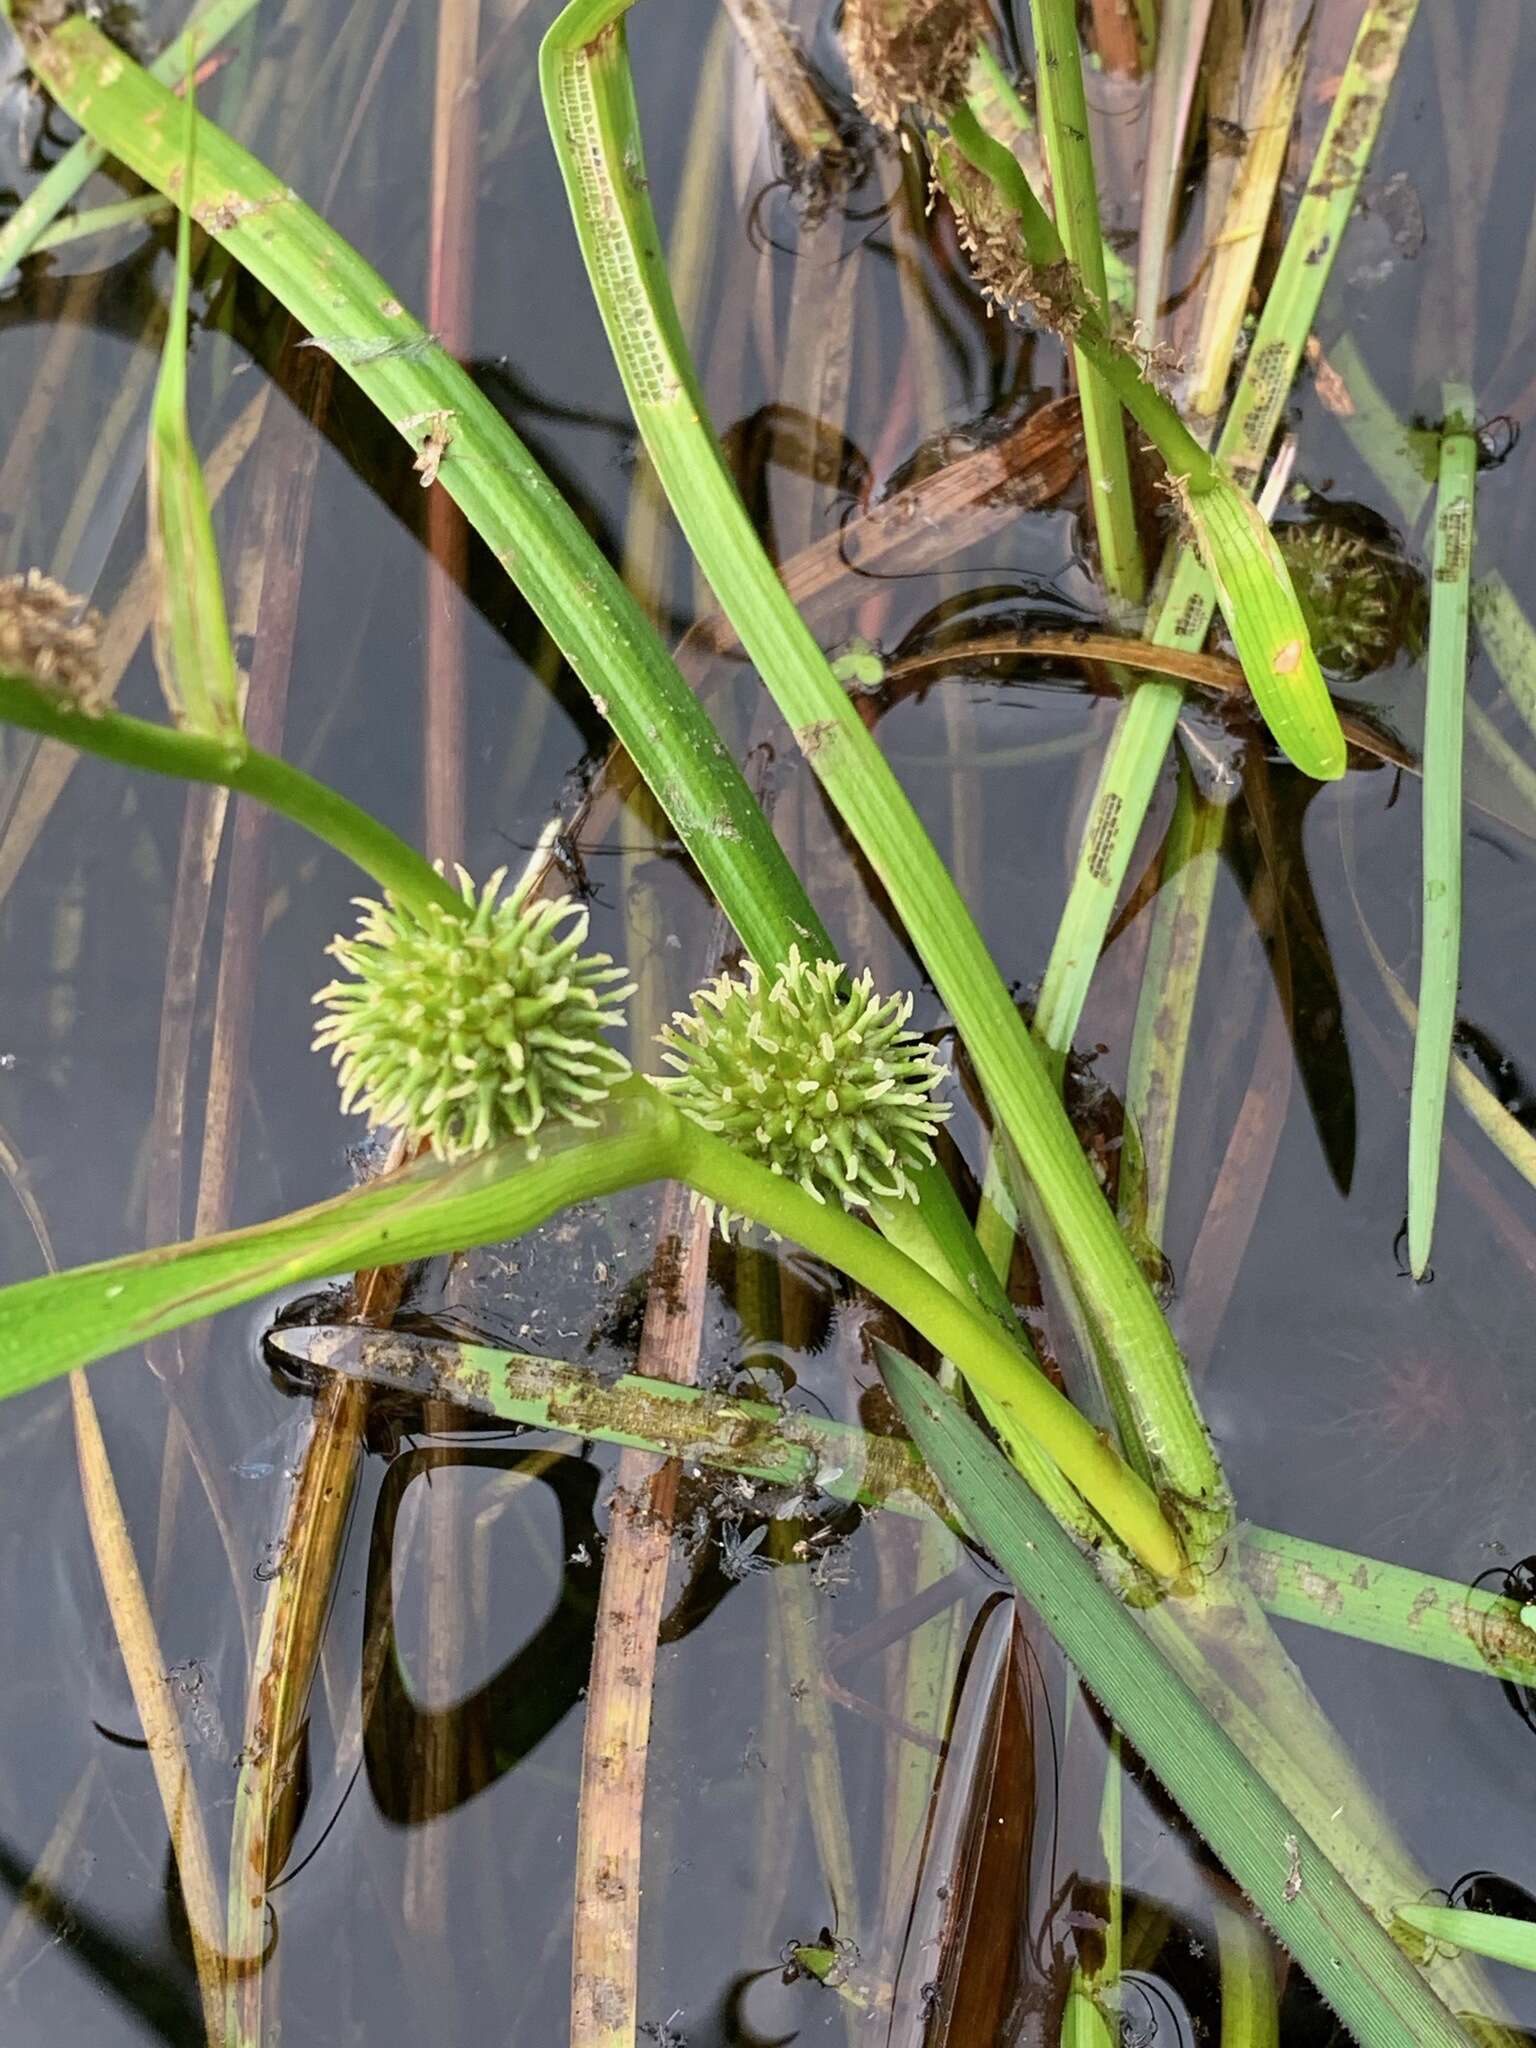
x=199 y=1706
x=739 y=1555
x=1399 y=205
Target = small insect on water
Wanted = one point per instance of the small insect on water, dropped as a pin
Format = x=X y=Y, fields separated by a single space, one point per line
x=740 y=1556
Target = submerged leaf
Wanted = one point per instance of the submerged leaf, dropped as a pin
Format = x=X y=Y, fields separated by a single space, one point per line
x=191 y=632
x=1253 y=588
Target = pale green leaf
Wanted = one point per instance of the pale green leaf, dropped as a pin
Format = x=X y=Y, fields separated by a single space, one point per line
x=1495 y=1935
x=191 y=632
x=1264 y=618
x=1444 y=730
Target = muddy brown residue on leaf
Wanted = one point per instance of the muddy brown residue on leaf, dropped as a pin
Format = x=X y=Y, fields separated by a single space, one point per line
x=1321 y=1590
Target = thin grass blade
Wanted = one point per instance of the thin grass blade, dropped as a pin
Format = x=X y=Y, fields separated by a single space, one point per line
x=635 y=686
x=191 y=632
x=1495 y=1935
x=1444 y=727
x=1181 y=39
x=1069 y=153
x=1144 y=729
x=23 y=233
x=589 y=101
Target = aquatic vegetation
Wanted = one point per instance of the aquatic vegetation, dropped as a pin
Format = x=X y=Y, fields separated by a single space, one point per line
x=459 y=1031
x=1361 y=599
x=472 y=1020
x=814 y=1075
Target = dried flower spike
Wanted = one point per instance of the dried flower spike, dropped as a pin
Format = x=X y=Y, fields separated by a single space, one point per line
x=463 y=1030
x=813 y=1075
x=51 y=635
x=909 y=54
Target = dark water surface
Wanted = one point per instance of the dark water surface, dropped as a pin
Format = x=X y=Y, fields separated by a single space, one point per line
x=1349 y=1404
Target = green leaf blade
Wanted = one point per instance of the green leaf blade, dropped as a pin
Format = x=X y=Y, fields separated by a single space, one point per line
x=1253 y=588
x=1354 y=1963
x=1444 y=728
x=193 y=652
x=1495 y=1935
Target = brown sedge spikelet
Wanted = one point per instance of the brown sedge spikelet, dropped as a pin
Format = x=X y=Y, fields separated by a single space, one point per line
x=988 y=230
x=909 y=54
x=52 y=636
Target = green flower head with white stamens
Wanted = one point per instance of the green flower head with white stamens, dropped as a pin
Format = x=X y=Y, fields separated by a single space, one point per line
x=812 y=1074
x=464 y=1029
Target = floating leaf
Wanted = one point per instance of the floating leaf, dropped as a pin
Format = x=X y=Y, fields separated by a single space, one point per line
x=1263 y=615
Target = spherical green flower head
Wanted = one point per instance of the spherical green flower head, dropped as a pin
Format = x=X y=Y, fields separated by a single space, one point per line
x=811 y=1074
x=1359 y=597
x=463 y=1030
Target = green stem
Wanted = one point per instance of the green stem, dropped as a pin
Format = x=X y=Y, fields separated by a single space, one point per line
x=1255 y=1824
x=101 y=220
x=193 y=757
x=352 y=312
x=1144 y=728
x=60 y=1320
x=1247 y=571
x=589 y=99
x=1069 y=155
x=1090 y=334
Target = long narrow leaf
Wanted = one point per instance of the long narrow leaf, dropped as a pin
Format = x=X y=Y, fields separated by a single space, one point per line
x=191 y=632
x=1495 y=1935
x=589 y=101
x=1444 y=725
x=1261 y=609
x=1069 y=154
x=1144 y=728
x=1250 y=579
x=23 y=233
x=1356 y=1966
